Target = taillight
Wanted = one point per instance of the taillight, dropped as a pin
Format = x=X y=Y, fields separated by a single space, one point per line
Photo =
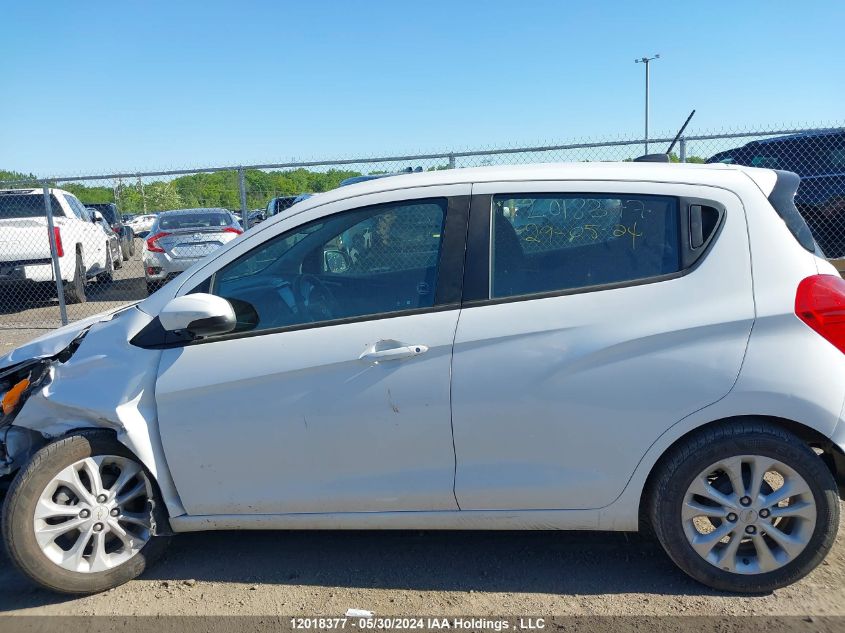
x=820 y=303
x=57 y=239
x=151 y=242
x=231 y=229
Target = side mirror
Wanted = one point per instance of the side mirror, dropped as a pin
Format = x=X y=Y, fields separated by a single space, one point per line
x=96 y=216
x=335 y=261
x=199 y=314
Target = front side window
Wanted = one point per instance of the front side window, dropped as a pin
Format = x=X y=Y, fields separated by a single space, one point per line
x=370 y=261
x=556 y=242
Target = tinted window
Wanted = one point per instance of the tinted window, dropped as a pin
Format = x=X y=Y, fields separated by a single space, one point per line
x=552 y=242
x=17 y=205
x=78 y=208
x=193 y=221
x=782 y=198
x=374 y=260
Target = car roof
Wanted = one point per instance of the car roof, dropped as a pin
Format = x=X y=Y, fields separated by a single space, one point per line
x=683 y=173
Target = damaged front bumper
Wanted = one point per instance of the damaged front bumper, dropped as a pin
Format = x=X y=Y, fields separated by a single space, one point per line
x=85 y=376
x=17 y=383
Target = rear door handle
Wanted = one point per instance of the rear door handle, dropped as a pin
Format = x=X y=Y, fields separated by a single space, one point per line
x=378 y=353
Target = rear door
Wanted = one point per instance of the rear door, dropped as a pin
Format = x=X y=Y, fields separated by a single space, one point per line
x=589 y=331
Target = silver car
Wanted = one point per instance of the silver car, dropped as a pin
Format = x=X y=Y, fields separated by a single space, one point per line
x=178 y=239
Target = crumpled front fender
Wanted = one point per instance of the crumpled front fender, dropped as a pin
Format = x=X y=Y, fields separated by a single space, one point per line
x=106 y=383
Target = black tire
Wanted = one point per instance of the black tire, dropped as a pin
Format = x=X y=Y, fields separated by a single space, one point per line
x=124 y=250
x=743 y=437
x=118 y=263
x=107 y=276
x=131 y=242
x=74 y=290
x=18 y=517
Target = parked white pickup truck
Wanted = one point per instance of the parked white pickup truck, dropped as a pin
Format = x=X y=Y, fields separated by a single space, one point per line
x=81 y=244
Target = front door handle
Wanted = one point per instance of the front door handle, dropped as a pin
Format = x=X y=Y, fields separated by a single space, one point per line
x=391 y=350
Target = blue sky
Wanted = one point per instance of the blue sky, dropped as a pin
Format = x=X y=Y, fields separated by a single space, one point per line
x=90 y=87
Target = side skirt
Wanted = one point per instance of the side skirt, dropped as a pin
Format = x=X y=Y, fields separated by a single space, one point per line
x=443 y=520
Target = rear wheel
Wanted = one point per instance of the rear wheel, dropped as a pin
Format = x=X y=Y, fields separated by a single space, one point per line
x=108 y=275
x=81 y=516
x=124 y=250
x=74 y=290
x=746 y=507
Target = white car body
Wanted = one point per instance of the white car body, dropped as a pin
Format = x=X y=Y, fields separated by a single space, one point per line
x=539 y=412
x=25 y=246
x=141 y=224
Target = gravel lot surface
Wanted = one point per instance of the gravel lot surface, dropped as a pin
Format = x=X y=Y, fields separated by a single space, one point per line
x=405 y=573
x=424 y=573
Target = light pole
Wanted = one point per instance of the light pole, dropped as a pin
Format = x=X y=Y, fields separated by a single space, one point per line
x=646 y=60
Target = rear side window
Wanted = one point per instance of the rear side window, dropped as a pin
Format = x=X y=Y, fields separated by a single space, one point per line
x=554 y=242
x=782 y=199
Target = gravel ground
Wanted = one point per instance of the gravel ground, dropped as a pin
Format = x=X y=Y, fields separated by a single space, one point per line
x=424 y=573
x=408 y=573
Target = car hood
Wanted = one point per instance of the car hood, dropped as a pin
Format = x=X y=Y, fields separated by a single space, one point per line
x=55 y=341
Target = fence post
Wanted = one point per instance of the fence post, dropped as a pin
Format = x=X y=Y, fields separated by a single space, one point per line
x=242 y=187
x=54 y=255
x=682 y=149
x=451 y=161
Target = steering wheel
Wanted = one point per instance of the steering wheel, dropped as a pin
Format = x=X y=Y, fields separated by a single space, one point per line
x=313 y=298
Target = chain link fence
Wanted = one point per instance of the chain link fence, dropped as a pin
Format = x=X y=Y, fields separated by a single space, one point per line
x=74 y=246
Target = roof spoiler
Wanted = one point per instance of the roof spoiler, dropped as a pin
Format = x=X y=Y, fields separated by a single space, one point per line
x=664 y=158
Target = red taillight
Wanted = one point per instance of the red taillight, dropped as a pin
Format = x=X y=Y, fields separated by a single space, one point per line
x=151 y=242
x=231 y=229
x=57 y=239
x=820 y=303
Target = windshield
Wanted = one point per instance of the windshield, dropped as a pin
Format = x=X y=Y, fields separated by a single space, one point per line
x=199 y=220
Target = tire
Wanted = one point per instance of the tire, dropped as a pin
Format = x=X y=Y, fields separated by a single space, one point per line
x=107 y=276
x=757 y=563
x=131 y=242
x=74 y=290
x=124 y=250
x=118 y=263
x=19 y=522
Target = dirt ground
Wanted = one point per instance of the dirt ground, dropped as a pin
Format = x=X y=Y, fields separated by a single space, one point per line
x=424 y=573
x=419 y=573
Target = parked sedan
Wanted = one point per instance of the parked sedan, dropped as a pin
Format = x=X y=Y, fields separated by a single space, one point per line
x=141 y=224
x=629 y=368
x=178 y=239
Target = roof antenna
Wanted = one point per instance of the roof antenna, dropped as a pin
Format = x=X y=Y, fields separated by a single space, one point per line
x=664 y=158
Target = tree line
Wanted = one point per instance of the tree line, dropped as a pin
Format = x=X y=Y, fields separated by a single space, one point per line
x=217 y=189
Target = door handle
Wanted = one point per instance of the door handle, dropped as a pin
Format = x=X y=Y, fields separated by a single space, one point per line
x=378 y=352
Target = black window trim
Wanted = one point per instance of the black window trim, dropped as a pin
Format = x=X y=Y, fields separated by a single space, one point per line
x=477 y=290
x=447 y=294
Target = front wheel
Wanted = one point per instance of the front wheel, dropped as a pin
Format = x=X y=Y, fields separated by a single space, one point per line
x=81 y=516
x=746 y=507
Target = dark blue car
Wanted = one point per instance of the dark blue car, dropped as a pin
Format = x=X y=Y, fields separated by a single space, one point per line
x=819 y=158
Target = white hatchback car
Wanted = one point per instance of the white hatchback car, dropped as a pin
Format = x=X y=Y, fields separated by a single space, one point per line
x=650 y=345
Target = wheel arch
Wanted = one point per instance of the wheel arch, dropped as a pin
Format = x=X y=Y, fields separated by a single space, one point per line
x=162 y=514
x=829 y=452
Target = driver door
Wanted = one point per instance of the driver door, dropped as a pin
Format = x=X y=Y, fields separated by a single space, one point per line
x=333 y=393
